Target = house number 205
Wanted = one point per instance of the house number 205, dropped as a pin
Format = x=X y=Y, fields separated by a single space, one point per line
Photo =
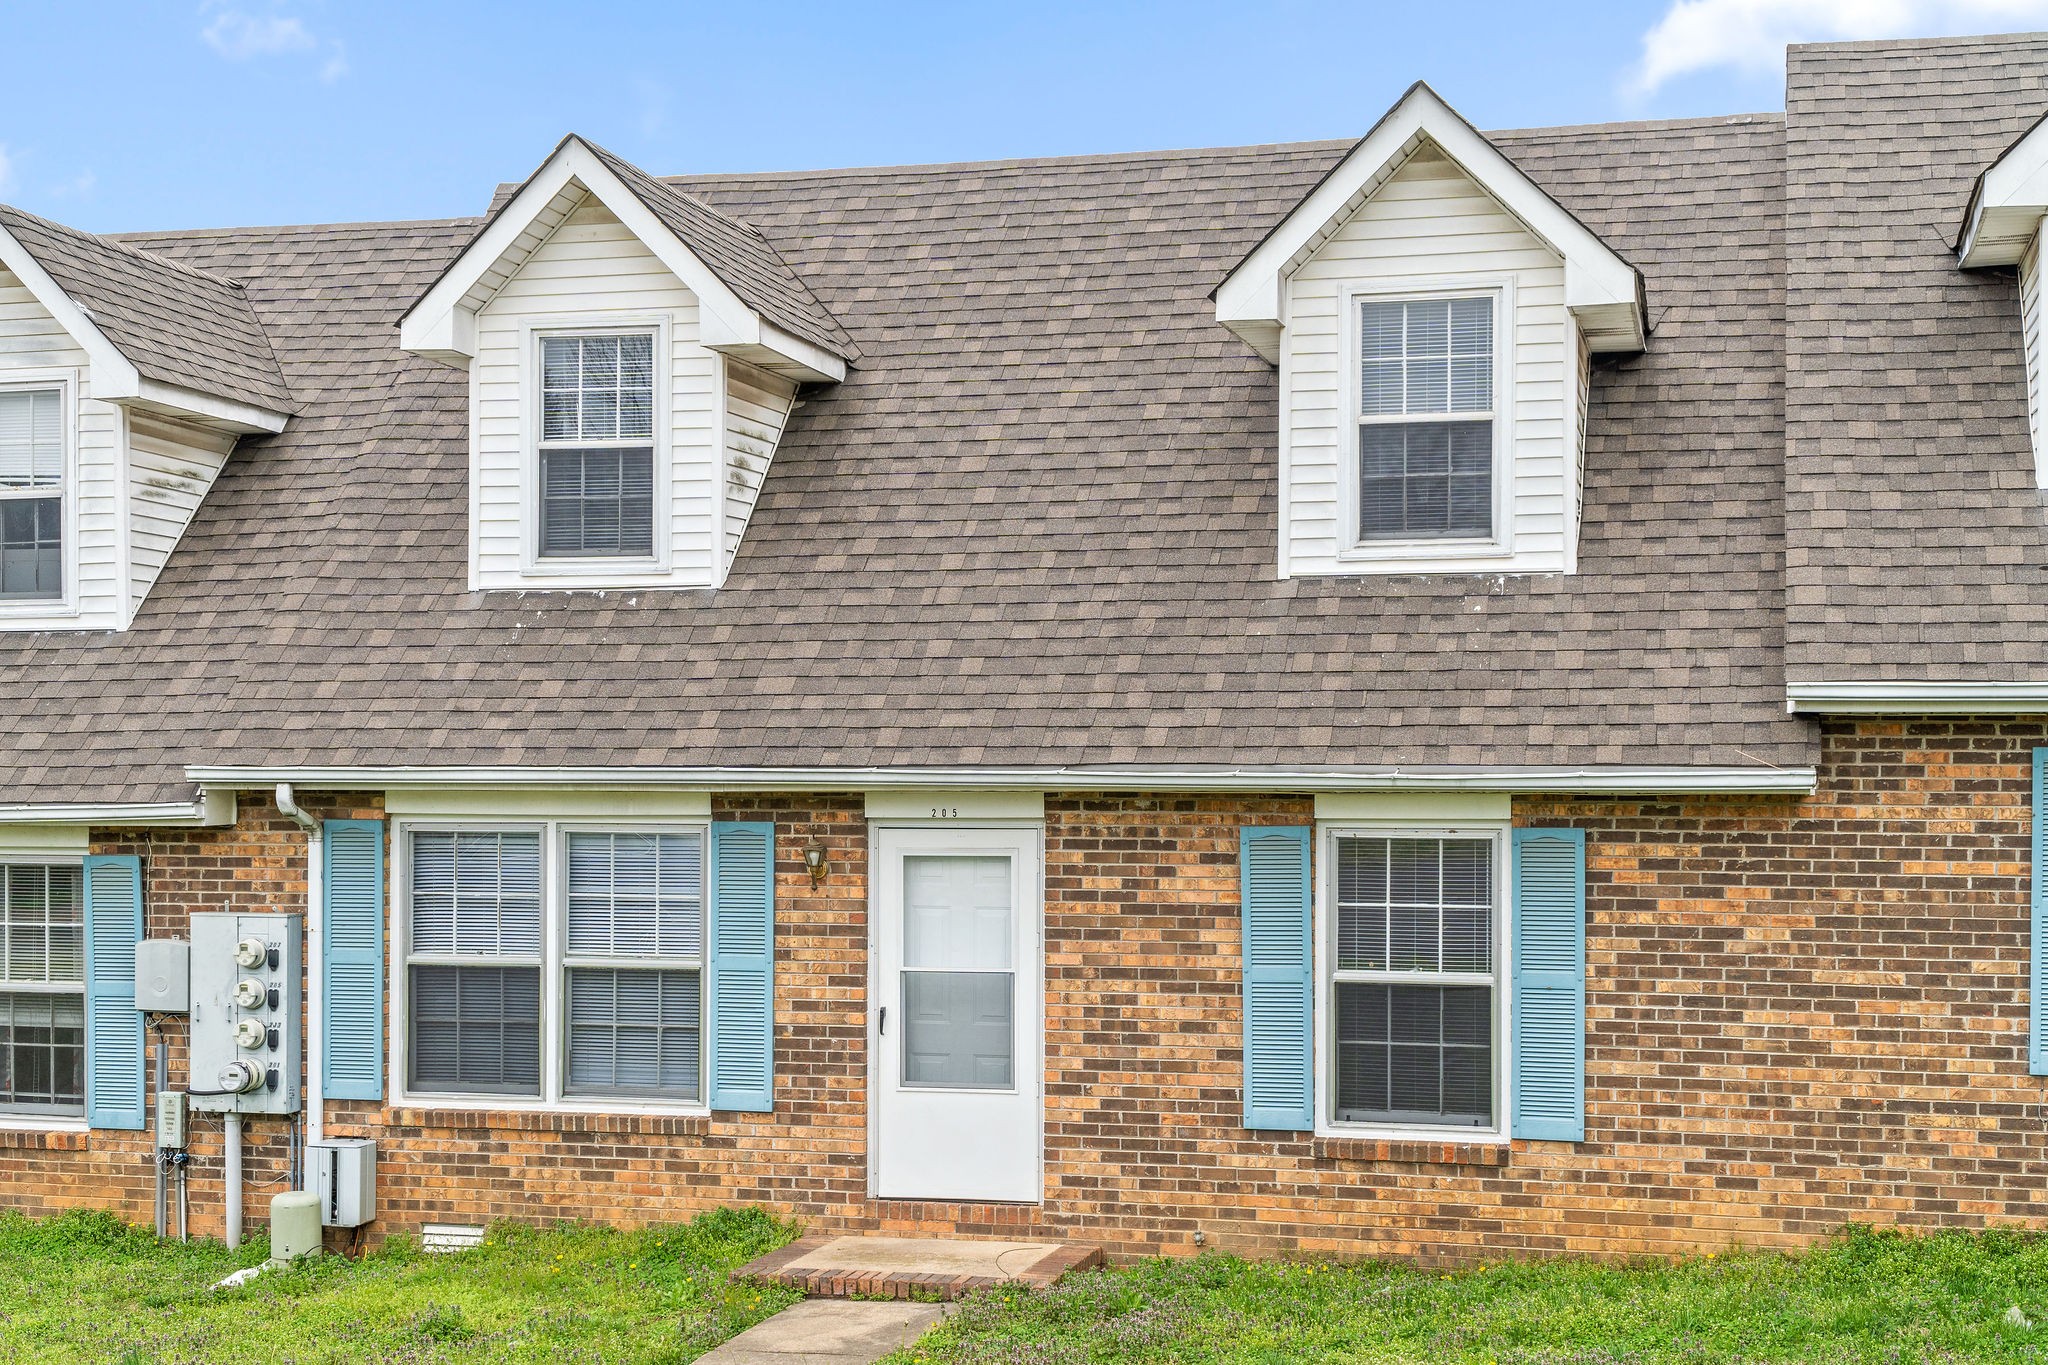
x=945 y=812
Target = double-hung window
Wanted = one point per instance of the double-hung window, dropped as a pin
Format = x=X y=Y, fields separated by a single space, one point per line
x=42 y=989
x=1413 y=986
x=555 y=962
x=1426 y=419
x=597 y=446
x=31 y=494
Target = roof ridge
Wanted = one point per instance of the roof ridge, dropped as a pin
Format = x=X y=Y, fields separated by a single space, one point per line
x=1942 y=40
x=145 y=256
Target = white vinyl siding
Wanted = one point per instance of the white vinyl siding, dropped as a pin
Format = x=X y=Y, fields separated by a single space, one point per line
x=171 y=465
x=758 y=405
x=2031 y=339
x=36 y=353
x=593 y=274
x=1428 y=230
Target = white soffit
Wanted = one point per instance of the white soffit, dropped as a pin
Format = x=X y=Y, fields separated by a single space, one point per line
x=442 y=324
x=1917 y=698
x=1604 y=292
x=2007 y=203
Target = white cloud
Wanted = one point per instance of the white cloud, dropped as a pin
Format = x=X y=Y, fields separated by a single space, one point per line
x=239 y=37
x=76 y=187
x=6 y=171
x=1750 y=35
x=336 y=65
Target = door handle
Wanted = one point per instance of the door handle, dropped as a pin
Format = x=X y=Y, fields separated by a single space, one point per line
x=882 y=1024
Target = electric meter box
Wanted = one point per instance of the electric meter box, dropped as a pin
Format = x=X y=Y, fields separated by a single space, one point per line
x=345 y=1177
x=245 y=1014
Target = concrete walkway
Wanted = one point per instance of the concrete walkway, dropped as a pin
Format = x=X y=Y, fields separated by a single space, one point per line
x=828 y=1332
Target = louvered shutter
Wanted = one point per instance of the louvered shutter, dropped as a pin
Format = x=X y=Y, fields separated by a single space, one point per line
x=1279 y=982
x=352 y=959
x=2037 y=941
x=742 y=1012
x=113 y=1026
x=1550 y=985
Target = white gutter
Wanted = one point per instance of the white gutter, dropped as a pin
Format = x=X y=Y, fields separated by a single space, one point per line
x=316 y=966
x=1592 y=779
x=215 y=807
x=1916 y=698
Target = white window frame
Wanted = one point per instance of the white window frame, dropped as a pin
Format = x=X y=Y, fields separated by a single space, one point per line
x=1327 y=1124
x=554 y=964
x=1500 y=545
x=66 y=382
x=43 y=1120
x=532 y=332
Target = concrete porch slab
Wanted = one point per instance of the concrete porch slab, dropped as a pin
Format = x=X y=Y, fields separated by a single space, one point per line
x=914 y=1267
x=827 y=1332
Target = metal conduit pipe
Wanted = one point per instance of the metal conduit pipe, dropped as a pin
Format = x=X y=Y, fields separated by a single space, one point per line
x=316 y=966
x=233 y=1180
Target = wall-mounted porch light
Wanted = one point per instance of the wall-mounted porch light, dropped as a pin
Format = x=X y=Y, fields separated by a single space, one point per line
x=814 y=862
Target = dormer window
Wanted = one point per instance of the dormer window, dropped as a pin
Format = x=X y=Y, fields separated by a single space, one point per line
x=597 y=446
x=31 y=494
x=1426 y=421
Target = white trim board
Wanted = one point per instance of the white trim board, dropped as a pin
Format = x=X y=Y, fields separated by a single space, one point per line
x=1592 y=779
x=215 y=807
x=942 y=805
x=2007 y=203
x=544 y=802
x=1910 y=698
x=1604 y=292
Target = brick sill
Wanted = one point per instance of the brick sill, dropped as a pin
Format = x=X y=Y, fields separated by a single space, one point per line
x=1411 y=1153
x=45 y=1139
x=525 y=1121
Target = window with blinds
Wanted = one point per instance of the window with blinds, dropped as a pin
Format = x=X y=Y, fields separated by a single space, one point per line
x=31 y=494
x=1414 y=980
x=474 y=948
x=597 y=446
x=42 y=989
x=585 y=981
x=1426 y=419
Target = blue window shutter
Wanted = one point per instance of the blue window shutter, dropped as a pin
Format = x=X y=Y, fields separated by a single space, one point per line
x=113 y=1026
x=1550 y=985
x=2037 y=941
x=742 y=991
x=1279 y=980
x=352 y=959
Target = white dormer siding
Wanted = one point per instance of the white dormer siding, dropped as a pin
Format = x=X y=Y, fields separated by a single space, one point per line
x=36 y=352
x=758 y=405
x=2030 y=338
x=171 y=465
x=1429 y=230
x=593 y=273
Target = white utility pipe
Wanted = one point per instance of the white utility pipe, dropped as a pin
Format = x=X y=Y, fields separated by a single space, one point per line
x=233 y=1178
x=316 y=1099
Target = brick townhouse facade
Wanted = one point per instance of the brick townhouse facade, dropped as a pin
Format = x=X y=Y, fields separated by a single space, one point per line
x=932 y=699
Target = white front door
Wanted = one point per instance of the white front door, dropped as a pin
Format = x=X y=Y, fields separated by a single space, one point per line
x=956 y=1047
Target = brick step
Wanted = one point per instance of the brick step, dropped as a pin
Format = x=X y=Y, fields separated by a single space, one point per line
x=923 y=1268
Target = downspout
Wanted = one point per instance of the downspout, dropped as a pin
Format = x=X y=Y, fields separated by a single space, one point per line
x=316 y=966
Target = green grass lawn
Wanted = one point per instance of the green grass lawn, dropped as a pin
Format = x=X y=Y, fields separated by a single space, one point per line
x=1866 y=1297
x=83 y=1287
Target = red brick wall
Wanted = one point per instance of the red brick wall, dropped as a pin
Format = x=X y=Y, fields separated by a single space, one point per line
x=1801 y=1012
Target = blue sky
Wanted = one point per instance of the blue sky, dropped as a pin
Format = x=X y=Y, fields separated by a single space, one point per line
x=193 y=113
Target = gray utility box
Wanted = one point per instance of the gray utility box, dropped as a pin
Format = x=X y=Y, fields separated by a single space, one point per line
x=245 y=1014
x=163 y=976
x=345 y=1177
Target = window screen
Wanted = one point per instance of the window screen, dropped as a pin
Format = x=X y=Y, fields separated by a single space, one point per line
x=475 y=947
x=1425 y=441
x=597 y=446
x=31 y=494
x=638 y=899
x=42 y=989
x=1414 y=984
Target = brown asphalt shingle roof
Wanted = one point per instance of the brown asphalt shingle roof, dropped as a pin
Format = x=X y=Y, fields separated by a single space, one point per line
x=173 y=323
x=1917 y=542
x=1035 y=526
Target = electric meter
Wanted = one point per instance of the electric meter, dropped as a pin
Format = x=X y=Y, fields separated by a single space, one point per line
x=249 y=953
x=249 y=1033
x=240 y=1077
x=249 y=993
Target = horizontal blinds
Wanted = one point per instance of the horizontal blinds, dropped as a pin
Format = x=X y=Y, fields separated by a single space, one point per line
x=1426 y=356
x=1415 y=905
x=597 y=502
x=31 y=439
x=635 y=1032
x=636 y=895
x=42 y=924
x=476 y=893
x=597 y=388
x=476 y=1029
